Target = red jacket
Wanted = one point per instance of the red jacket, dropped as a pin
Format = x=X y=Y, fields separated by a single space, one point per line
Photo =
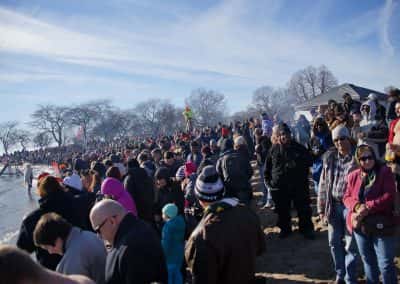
x=379 y=199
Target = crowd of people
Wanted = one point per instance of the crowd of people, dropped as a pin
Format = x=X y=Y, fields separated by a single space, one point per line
x=179 y=207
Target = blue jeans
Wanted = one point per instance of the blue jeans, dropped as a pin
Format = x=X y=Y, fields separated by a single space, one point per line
x=174 y=274
x=342 y=244
x=377 y=254
x=265 y=189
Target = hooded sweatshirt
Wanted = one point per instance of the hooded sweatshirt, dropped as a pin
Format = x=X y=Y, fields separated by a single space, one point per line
x=367 y=122
x=116 y=190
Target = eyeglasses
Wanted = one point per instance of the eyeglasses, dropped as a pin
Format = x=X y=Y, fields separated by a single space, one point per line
x=365 y=158
x=339 y=139
x=98 y=228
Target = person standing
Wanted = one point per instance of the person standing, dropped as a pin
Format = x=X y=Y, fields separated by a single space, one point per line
x=136 y=254
x=28 y=177
x=224 y=246
x=286 y=172
x=336 y=164
x=369 y=197
x=173 y=242
x=236 y=172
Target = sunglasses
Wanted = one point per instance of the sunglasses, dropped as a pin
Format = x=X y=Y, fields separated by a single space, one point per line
x=339 y=139
x=365 y=158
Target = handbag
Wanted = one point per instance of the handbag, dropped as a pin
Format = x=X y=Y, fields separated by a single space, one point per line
x=377 y=225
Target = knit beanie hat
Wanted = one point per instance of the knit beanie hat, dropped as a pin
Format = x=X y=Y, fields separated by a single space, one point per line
x=180 y=173
x=170 y=210
x=340 y=131
x=209 y=187
x=73 y=181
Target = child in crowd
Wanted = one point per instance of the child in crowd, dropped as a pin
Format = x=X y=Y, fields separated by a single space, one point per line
x=173 y=242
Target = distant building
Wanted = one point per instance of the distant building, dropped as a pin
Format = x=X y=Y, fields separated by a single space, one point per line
x=336 y=93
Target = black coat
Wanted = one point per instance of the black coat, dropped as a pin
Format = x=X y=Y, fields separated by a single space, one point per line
x=235 y=170
x=141 y=188
x=137 y=256
x=287 y=166
x=61 y=203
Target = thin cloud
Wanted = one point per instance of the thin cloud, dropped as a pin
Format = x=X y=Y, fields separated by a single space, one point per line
x=386 y=15
x=222 y=47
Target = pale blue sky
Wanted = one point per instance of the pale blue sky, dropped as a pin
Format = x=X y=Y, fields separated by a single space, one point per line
x=71 y=51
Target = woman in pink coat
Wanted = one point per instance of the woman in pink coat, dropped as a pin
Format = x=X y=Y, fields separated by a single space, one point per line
x=115 y=189
x=370 y=194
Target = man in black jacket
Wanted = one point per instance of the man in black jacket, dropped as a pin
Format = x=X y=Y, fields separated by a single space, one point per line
x=136 y=255
x=286 y=172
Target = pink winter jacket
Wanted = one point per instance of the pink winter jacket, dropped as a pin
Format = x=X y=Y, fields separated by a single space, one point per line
x=379 y=199
x=116 y=190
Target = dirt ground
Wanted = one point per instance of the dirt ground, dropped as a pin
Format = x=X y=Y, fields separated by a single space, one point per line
x=295 y=259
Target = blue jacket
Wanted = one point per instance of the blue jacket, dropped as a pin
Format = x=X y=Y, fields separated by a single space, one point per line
x=319 y=144
x=173 y=240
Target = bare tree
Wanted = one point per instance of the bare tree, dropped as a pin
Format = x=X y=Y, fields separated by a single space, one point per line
x=8 y=135
x=263 y=99
x=250 y=111
x=310 y=82
x=326 y=79
x=86 y=115
x=209 y=107
x=23 y=137
x=157 y=117
x=108 y=126
x=41 y=140
x=53 y=120
x=273 y=101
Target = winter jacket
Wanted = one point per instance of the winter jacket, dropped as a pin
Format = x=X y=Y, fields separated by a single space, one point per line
x=173 y=240
x=190 y=195
x=224 y=246
x=235 y=171
x=287 y=166
x=61 y=203
x=266 y=126
x=136 y=256
x=140 y=186
x=28 y=175
x=84 y=254
x=378 y=135
x=379 y=199
x=319 y=144
x=116 y=190
x=366 y=124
